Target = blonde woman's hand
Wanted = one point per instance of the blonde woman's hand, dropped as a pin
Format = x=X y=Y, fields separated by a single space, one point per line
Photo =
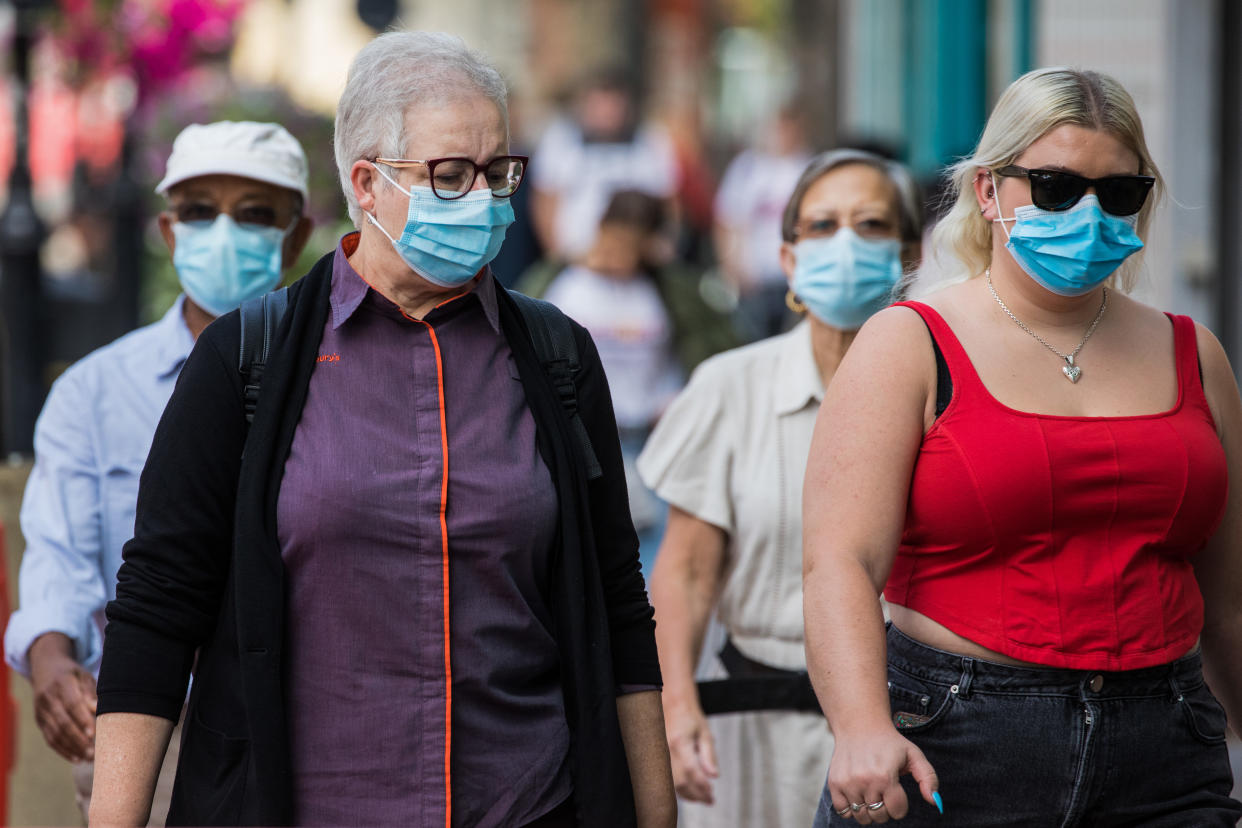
x=866 y=769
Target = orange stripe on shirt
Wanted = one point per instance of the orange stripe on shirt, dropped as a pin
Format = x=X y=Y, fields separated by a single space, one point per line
x=448 y=666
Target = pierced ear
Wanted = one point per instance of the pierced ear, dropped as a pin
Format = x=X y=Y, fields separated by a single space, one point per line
x=985 y=191
x=788 y=261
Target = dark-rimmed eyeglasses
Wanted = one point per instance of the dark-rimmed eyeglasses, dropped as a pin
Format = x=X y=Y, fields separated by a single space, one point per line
x=1056 y=190
x=452 y=178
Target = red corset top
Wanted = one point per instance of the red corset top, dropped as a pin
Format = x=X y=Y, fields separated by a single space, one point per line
x=1063 y=541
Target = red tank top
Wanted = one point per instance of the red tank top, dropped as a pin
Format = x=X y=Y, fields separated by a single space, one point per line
x=1063 y=541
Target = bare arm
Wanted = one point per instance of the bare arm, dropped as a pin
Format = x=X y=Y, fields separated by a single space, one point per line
x=1219 y=566
x=684 y=587
x=129 y=749
x=862 y=455
x=646 y=751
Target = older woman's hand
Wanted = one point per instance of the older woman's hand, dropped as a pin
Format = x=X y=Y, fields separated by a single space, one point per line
x=687 y=578
x=693 y=752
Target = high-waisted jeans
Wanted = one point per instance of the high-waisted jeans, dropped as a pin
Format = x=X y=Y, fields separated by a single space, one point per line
x=1021 y=746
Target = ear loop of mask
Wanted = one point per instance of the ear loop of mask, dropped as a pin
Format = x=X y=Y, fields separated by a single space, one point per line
x=371 y=217
x=999 y=211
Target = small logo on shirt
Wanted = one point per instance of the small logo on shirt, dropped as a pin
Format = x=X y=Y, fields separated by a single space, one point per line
x=329 y=358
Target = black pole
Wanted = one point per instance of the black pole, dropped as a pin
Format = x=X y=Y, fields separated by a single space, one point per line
x=21 y=234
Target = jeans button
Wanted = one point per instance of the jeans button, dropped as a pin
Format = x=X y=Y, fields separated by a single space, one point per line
x=1097 y=683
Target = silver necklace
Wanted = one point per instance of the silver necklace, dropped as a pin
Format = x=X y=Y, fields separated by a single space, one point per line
x=1072 y=372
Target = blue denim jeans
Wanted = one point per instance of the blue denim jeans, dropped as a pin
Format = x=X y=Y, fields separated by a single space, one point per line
x=1019 y=746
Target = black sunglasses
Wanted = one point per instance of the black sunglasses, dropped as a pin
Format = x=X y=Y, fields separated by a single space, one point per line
x=1121 y=195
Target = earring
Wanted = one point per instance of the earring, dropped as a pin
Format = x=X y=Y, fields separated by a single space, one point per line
x=793 y=302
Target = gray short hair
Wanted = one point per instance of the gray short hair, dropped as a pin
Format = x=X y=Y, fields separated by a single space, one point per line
x=909 y=200
x=392 y=73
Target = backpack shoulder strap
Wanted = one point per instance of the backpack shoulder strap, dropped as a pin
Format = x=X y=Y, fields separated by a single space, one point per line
x=554 y=342
x=260 y=318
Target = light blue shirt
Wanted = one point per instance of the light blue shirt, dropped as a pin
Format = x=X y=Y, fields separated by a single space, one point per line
x=91 y=441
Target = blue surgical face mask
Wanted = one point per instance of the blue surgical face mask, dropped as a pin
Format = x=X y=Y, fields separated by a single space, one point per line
x=447 y=242
x=1073 y=251
x=843 y=279
x=221 y=264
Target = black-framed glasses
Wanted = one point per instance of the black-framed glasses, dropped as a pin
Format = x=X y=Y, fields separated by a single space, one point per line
x=1056 y=190
x=452 y=178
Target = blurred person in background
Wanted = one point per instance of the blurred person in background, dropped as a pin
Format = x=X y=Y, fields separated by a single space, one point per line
x=1041 y=475
x=235 y=194
x=748 y=207
x=728 y=456
x=581 y=160
x=652 y=328
x=410 y=604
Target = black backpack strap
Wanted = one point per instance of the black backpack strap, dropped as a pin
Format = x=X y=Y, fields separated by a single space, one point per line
x=553 y=338
x=260 y=318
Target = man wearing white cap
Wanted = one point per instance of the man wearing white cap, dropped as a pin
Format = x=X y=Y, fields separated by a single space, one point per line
x=235 y=193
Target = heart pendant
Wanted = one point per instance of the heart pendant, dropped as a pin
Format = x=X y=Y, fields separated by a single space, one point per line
x=1072 y=372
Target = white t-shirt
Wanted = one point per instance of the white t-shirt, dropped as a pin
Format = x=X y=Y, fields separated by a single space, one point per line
x=585 y=175
x=751 y=200
x=633 y=333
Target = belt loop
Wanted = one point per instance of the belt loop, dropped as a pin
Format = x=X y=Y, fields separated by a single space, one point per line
x=1175 y=689
x=968 y=672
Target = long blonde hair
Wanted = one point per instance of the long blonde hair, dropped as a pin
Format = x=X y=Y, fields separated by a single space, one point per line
x=1032 y=106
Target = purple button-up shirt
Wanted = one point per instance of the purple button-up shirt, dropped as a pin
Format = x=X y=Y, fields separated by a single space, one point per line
x=422 y=672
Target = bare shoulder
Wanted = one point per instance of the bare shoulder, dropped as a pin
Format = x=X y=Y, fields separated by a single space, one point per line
x=1212 y=355
x=1147 y=317
x=890 y=362
x=894 y=331
x=1220 y=386
x=947 y=298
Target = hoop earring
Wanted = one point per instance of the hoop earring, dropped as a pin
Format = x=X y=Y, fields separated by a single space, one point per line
x=793 y=302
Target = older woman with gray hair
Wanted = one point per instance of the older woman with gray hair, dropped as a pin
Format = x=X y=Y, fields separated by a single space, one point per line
x=405 y=597
x=728 y=456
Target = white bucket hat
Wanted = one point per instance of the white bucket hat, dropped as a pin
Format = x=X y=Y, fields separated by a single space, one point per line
x=264 y=152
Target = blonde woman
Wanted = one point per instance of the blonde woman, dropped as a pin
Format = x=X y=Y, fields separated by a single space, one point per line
x=728 y=456
x=1034 y=469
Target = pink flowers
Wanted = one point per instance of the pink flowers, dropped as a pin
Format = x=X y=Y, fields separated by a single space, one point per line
x=155 y=41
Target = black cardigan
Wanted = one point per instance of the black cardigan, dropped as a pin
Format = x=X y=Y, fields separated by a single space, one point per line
x=204 y=573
